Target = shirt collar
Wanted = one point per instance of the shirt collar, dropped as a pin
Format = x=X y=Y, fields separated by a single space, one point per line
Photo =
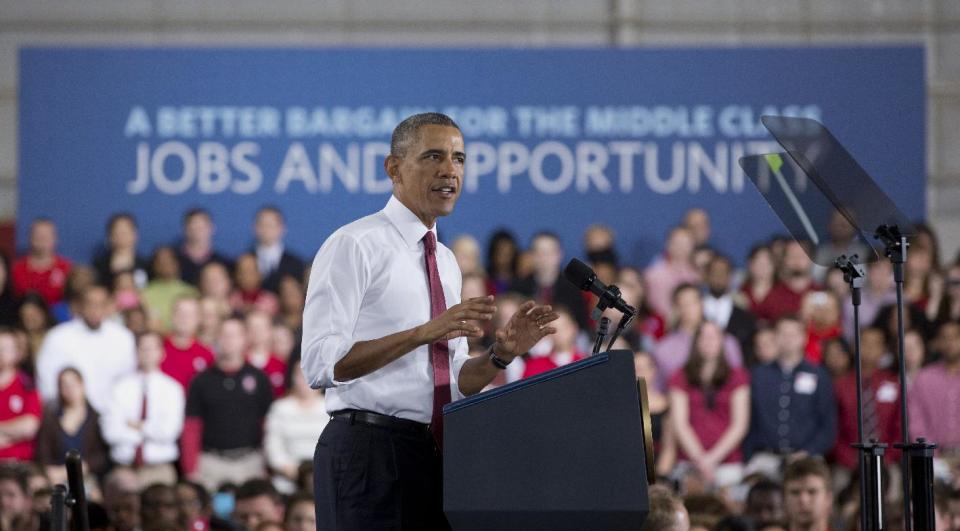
x=407 y=223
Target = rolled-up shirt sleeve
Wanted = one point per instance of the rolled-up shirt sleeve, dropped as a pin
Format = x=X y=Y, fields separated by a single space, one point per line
x=338 y=279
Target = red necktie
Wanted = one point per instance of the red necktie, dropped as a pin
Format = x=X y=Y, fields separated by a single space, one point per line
x=439 y=351
x=138 y=454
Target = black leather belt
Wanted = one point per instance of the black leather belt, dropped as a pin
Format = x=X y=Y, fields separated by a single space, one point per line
x=354 y=416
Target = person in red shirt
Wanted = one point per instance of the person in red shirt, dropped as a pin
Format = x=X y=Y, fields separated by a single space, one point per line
x=185 y=356
x=564 y=349
x=821 y=313
x=795 y=281
x=260 y=353
x=20 y=407
x=41 y=270
x=881 y=402
x=710 y=408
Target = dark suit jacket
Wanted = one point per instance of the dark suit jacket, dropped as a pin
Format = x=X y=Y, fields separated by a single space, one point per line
x=290 y=264
x=743 y=326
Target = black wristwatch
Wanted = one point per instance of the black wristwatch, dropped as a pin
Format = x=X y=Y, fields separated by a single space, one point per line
x=497 y=361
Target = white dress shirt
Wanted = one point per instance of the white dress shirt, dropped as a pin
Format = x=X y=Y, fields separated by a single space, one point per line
x=102 y=357
x=368 y=281
x=268 y=257
x=718 y=309
x=161 y=428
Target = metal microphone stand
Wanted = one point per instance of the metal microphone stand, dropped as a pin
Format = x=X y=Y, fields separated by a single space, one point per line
x=601 y=333
x=871 y=453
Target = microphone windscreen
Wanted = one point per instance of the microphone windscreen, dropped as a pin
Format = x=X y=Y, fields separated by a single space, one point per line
x=579 y=274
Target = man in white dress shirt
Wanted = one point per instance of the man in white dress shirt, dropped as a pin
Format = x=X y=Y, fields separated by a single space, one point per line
x=383 y=311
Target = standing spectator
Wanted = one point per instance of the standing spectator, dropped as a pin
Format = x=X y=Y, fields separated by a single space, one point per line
x=878 y=291
x=837 y=357
x=299 y=514
x=20 y=407
x=197 y=249
x=820 y=311
x=546 y=284
x=36 y=321
x=15 y=506
x=793 y=408
x=249 y=294
x=79 y=279
x=100 y=349
x=158 y=506
x=710 y=409
x=211 y=317
x=184 y=355
x=8 y=304
x=164 y=288
x=502 y=256
x=283 y=342
x=934 y=398
x=292 y=299
x=807 y=495
x=719 y=305
x=842 y=240
x=671 y=269
x=70 y=423
x=564 y=349
x=671 y=353
x=274 y=260
x=120 y=254
x=257 y=503
x=765 y=349
x=664 y=439
x=917 y=273
x=795 y=280
x=226 y=405
x=292 y=425
x=914 y=355
x=944 y=303
x=261 y=355
x=216 y=285
x=466 y=250
x=41 y=270
x=144 y=420
x=697 y=221
x=881 y=403
x=757 y=286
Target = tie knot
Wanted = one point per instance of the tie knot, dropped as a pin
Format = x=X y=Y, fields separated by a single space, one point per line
x=430 y=242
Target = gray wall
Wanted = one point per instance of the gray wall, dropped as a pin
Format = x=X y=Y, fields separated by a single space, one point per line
x=626 y=23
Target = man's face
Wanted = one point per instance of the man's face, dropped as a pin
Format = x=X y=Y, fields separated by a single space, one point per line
x=428 y=178
x=252 y=512
x=765 y=507
x=124 y=511
x=807 y=501
x=232 y=340
x=43 y=238
x=680 y=245
x=547 y=254
x=268 y=227
x=198 y=229
x=95 y=306
x=791 y=337
x=796 y=263
x=718 y=277
x=160 y=505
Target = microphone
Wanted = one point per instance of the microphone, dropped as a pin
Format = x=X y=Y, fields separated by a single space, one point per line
x=584 y=278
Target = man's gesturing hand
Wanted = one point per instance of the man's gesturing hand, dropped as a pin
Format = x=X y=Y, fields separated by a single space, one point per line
x=527 y=326
x=456 y=321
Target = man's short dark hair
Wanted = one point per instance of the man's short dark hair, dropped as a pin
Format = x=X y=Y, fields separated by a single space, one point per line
x=764 y=485
x=663 y=510
x=406 y=131
x=271 y=209
x=257 y=487
x=805 y=467
x=118 y=217
x=16 y=474
x=196 y=211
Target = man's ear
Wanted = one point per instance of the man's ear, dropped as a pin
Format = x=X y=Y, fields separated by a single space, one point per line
x=391 y=165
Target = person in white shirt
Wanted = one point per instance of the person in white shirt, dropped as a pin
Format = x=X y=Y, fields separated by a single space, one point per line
x=274 y=260
x=145 y=417
x=385 y=333
x=100 y=349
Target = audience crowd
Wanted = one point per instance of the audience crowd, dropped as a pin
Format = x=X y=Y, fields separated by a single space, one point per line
x=176 y=375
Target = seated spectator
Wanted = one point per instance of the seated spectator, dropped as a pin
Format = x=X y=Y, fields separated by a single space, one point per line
x=933 y=403
x=466 y=250
x=670 y=269
x=99 y=348
x=546 y=284
x=257 y=502
x=881 y=403
x=837 y=357
x=70 y=423
x=706 y=510
x=292 y=299
x=820 y=310
x=291 y=428
x=184 y=355
x=564 y=346
x=720 y=307
x=121 y=498
x=226 y=406
x=158 y=507
x=249 y=295
x=41 y=270
x=164 y=288
x=8 y=303
x=765 y=503
x=300 y=514
x=758 y=284
x=274 y=260
x=793 y=408
x=807 y=495
x=764 y=346
x=795 y=279
x=36 y=320
x=260 y=353
x=502 y=256
x=664 y=439
x=671 y=352
x=197 y=249
x=710 y=409
x=15 y=505
x=914 y=355
x=120 y=254
x=145 y=418
x=193 y=506
x=20 y=407
x=216 y=286
x=667 y=512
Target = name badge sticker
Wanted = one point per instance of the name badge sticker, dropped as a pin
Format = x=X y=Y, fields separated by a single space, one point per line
x=805 y=383
x=887 y=393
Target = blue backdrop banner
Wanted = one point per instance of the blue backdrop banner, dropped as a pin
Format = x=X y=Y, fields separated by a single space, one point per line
x=556 y=139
